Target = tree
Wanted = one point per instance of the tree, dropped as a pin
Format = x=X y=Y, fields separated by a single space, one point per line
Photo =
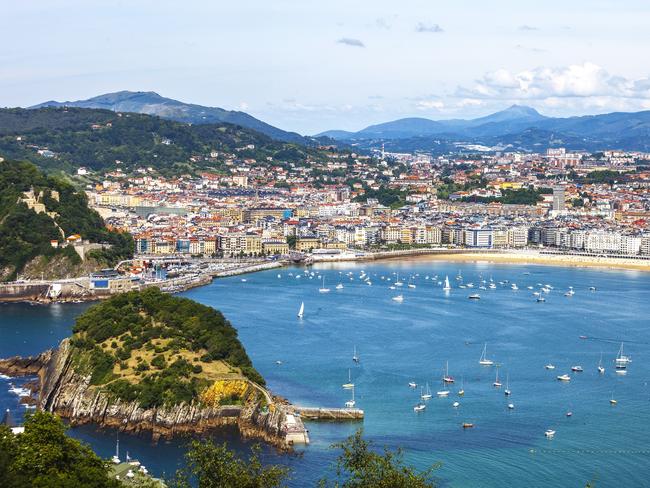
x=291 y=241
x=44 y=457
x=215 y=466
x=359 y=466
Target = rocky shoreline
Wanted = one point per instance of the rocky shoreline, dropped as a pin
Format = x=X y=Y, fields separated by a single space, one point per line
x=61 y=390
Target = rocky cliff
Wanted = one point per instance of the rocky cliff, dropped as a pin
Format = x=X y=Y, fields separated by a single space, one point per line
x=69 y=394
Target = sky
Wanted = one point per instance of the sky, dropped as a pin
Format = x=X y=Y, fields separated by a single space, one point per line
x=312 y=65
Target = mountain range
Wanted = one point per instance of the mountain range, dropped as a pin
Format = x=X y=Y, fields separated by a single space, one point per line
x=518 y=127
x=151 y=103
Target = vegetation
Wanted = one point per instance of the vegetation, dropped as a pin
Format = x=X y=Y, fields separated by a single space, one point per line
x=103 y=140
x=157 y=349
x=25 y=234
x=44 y=457
x=388 y=197
x=523 y=196
x=447 y=186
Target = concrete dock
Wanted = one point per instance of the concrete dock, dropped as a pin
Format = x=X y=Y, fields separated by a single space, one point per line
x=312 y=413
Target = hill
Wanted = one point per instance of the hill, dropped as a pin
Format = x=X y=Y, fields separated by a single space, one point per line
x=36 y=209
x=151 y=103
x=67 y=138
x=516 y=128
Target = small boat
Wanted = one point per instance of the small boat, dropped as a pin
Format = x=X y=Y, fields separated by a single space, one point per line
x=583 y=337
x=511 y=406
x=507 y=391
x=612 y=401
x=621 y=371
x=355 y=356
x=549 y=433
x=444 y=392
x=455 y=404
x=492 y=286
x=349 y=384
x=497 y=383
x=467 y=425
x=541 y=299
x=278 y=362
x=446 y=378
x=470 y=285
x=550 y=366
x=570 y=292
x=621 y=359
x=484 y=361
x=323 y=289
x=351 y=403
x=391 y=287
x=279 y=276
x=601 y=368
x=413 y=384
x=514 y=287
x=398 y=282
x=577 y=369
x=411 y=285
x=339 y=286
x=447 y=286
x=592 y=288
x=564 y=377
x=426 y=395
x=462 y=286
x=419 y=407
x=398 y=298
x=461 y=392
x=301 y=312
x=569 y=414
x=474 y=296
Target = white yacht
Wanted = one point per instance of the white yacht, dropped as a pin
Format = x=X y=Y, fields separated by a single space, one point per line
x=301 y=312
x=398 y=298
x=351 y=403
x=349 y=384
x=323 y=289
x=564 y=377
x=447 y=285
x=484 y=361
x=621 y=359
x=426 y=394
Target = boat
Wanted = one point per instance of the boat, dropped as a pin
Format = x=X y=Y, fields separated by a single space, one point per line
x=301 y=312
x=583 y=337
x=507 y=391
x=497 y=383
x=398 y=282
x=461 y=392
x=413 y=384
x=459 y=276
x=419 y=407
x=446 y=378
x=462 y=286
x=511 y=406
x=323 y=289
x=349 y=384
x=570 y=292
x=455 y=404
x=592 y=288
x=601 y=368
x=492 y=286
x=278 y=362
x=351 y=403
x=447 y=286
x=549 y=433
x=411 y=285
x=577 y=369
x=514 y=287
x=621 y=359
x=426 y=394
x=444 y=392
x=550 y=366
x=116 y=457
x=279 y=276
x=339 y=286
x=470 y=285
x=474 y=296
x=612 y=401
x=243 y=280
x=467 y=425
x=569 y=414
x=484 y=361
x=355 y=356
x=541 y=299
x=564 y=377
x=398 y=298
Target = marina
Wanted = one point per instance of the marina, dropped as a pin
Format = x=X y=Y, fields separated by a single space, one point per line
x=406 y=345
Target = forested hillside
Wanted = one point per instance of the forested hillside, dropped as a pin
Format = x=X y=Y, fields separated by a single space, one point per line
x=68 y=138
x=26 y=234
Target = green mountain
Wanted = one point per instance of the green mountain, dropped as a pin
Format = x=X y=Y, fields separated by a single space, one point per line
x=151 y=103
x=68 y=138
x=36 y=209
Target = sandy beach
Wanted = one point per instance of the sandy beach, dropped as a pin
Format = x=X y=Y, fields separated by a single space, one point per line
x=534 y=257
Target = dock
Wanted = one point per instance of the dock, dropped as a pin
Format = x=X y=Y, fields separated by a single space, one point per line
x=336 y=414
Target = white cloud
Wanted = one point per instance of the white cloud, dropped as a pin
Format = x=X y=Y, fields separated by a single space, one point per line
x=434 y=28
x=574 y=81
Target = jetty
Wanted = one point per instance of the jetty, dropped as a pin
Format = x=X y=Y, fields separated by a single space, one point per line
x=336 y=414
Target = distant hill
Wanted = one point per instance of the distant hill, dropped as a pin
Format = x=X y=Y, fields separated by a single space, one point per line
x=101 y=139
x=26 y=230
x=517 y=126
x=151 y=103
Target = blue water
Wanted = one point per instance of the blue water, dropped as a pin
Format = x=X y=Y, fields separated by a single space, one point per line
x=411 y=341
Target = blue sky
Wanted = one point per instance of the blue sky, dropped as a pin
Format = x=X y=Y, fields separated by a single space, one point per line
x=314 y=65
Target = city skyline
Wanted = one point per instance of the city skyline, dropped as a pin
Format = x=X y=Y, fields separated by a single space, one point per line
x=316 y=67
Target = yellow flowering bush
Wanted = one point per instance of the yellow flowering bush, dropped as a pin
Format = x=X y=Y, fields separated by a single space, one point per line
x=224 y=391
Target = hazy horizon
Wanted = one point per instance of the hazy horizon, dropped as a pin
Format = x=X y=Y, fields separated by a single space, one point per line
x=311 y=67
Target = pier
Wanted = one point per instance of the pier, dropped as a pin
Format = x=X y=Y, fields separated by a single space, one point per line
x=313 y=413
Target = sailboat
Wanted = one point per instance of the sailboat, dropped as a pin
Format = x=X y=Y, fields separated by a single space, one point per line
x=612 y=401
x=426 y=395
x=116 y=457
x=484 y=361
x=398 y=298
x=339 y=286
x=323 y=289
x=301 y=312
x=507 y=391
x=461 y=392
x=349 y=384
x=444 y=392
x=621 y=359
x=397 y=281
x=351 y=403
x=446 y=378
x=601 y=368
x=419 y=407
x=447 y=285
x=355 y=357
x=459 y=276
x=497 y=383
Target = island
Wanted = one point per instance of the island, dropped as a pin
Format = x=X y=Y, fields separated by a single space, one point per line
x=148 y=362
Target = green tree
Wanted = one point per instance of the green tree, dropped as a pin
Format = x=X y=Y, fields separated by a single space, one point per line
x=291 y=241
x=44 y=457
x=216 y=466
x=360 y=466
